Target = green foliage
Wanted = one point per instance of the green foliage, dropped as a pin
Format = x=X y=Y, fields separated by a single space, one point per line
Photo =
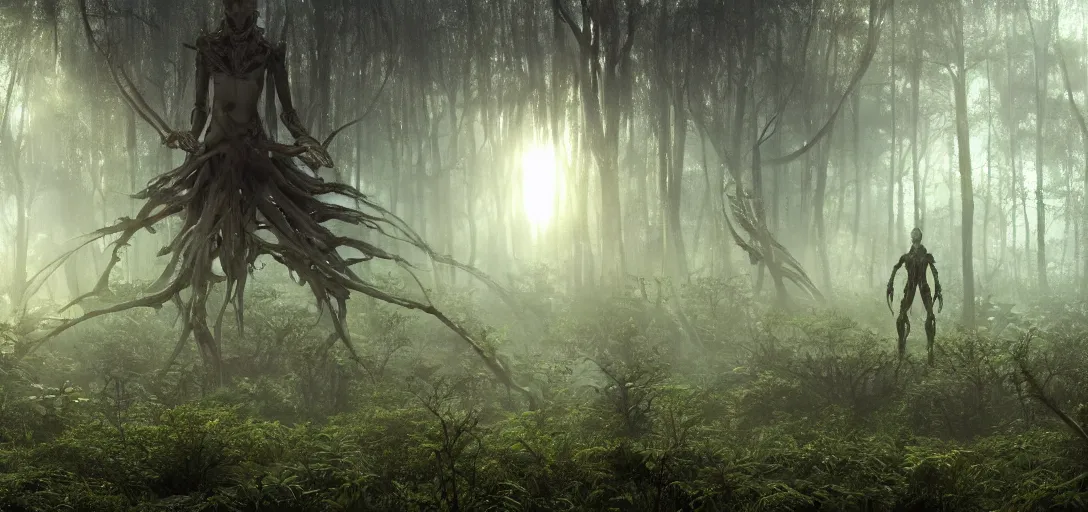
x=696 y=401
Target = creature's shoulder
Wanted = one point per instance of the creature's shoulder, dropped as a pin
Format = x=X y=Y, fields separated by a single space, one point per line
x=209 y=43
x=916 y=254
x=207 y=39
x=262 y=42
x=210 y=51
x=279 y=50
x=923 y=255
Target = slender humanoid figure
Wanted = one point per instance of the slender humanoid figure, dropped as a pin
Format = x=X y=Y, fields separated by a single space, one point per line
x=240 y=195
x=916 y=260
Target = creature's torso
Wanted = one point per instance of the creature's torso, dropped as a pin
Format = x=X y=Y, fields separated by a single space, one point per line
x=916 y=261
x=237 y=67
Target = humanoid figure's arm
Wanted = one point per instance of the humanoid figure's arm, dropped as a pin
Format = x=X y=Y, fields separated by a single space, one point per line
x=936 y=281
x=199 y=116
x=187 y=140
x=895 y=269
x=283 y=90
x=315 y=156
x=891 y=281
x=933 y=270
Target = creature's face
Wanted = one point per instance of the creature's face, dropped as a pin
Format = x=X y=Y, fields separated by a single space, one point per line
x=241 y=14
x=915 y=236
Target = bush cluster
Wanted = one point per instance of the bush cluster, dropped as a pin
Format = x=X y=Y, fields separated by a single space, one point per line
x=661 y=398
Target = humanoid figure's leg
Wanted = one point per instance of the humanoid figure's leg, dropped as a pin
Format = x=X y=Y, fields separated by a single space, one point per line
x=931 y=320
x=902 y=324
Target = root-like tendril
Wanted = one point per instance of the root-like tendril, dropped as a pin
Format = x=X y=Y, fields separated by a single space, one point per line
x=227 y=199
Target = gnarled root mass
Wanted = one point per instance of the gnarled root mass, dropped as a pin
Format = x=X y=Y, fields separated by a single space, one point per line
x=762 y=246
x=237 y=204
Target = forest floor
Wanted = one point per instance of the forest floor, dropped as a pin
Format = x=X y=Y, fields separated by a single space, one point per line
x=699 y=401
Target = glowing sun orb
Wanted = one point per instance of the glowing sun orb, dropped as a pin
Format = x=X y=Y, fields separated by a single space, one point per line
x=539 y=184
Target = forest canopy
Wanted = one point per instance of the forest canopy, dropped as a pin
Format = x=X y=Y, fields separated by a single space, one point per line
x=668 y=223
x=652 y=112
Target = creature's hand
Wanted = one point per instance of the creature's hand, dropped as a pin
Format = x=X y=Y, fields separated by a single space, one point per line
x=940 y=299
x=183 y=140
x=315 y=156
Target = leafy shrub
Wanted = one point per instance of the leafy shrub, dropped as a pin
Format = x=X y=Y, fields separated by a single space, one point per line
x=695 y=400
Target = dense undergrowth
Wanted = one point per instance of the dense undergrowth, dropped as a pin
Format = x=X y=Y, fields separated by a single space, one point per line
x=667 y=398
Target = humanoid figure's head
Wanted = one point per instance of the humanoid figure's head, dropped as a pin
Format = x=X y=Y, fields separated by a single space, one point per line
x=241 y=14
x=915 y=236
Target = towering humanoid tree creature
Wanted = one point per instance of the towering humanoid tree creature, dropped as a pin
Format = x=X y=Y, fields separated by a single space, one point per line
x=917 y=260
x=241 y=196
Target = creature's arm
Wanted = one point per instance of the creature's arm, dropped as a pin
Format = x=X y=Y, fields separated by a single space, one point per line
x=199 y=116
x=187 y=140
x=316 y=156
x=936 y=283
x=891 y=281
x=283 y=90
x=895 y=269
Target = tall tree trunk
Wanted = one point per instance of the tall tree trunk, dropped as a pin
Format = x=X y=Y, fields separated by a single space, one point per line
x=915 y=92
x=605 y=44
x=858 y=186
x=446 y=188
x=1014 y=158
x=1024 y=210
x=893 y=234
x=952 y=156
x=22 y=205
x=470 y=193
x=132 y=262
x=924 y=179
x=967 y=193
x=589 y=263
x=818 y=209
x=664 y=146
x=22 y=234
x=1078 y=114
x=1041 y=47
x=989 y=173
x=822 y=164
x=676 y=187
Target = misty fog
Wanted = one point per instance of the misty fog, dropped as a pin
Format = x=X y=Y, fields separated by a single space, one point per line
x=678 y=215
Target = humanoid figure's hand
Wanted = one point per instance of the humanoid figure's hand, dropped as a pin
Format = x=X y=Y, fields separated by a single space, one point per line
x=183 y=140
x=315 y=156
x=939 y=298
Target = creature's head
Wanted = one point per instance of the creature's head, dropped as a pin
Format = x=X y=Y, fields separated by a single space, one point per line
x=241 y=14
x=915 y=236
